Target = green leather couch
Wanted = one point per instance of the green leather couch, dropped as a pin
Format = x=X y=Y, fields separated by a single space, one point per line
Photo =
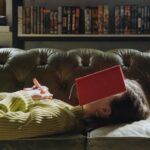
x=57 y=69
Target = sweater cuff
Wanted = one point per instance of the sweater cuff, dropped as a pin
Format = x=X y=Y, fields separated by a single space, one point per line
x=78 y=112
x=28 y=99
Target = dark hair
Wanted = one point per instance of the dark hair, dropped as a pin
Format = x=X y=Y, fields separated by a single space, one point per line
x=131 y=106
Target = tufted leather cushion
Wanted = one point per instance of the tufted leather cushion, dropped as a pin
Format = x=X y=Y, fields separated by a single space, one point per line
x=57 y=69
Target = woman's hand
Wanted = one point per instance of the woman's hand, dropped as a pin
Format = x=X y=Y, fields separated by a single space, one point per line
x=38 y=92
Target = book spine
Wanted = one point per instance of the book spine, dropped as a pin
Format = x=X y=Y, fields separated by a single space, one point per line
x=23 y=20
x=122 y=19
x=64 y=20
x=134 y=18
x=35 y=20
x=77 y=20
x=20 y=20
x=127 y=19
x=42 y=20
x=38 y=19
x=69 y=20
x=95 y=20
x=27 y=20
x=145 y=19
x=117 y=19
x=32 y=23
x=60 y=20
x=106 y=19
x=47 y=21
x=100 y=19
x=52 y=22
x=142 y=20
x=73 y=12
x=139 y=20
x=87 y=13
x=55 y=22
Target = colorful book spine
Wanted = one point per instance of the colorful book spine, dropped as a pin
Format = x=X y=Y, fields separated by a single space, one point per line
x=60 y=20
x=127 y=19
x=35 y=20
x=55 y=22
x=100 y=19
x=87 y=13
x=117 y=19
x=42 y=20
x=139 y=20
x=77 y=20
x=122 y=19
x=27 y=20
x=73 y=12
x=52 y=22
x=106 y=19
x=64 y=20
x=94 y=20
x=38 y=19
x=134 y=18
x=20 y=31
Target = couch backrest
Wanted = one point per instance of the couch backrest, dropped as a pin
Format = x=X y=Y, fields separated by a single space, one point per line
x=57 y=69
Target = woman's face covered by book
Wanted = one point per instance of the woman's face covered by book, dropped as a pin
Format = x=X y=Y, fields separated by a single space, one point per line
x=100 y=108
x=124 y=107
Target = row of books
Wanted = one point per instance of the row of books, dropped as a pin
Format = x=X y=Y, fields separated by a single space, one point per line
x=65 y=20
x=132 y=19
x=41 y=20
x=127 y=19
x=96 y=20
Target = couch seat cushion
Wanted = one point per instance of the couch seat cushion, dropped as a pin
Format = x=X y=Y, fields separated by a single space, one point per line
x=63 y=142
x=123 y=136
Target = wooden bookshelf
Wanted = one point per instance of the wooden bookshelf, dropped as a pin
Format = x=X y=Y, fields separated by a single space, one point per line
x=19 y=39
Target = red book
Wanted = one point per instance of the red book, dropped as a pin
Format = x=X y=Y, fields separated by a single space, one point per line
x=100 y=85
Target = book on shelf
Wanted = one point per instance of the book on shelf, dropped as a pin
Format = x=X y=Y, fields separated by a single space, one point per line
x=106 y=19
x=87 y=20
x=100 y=19
x=132 y=19
x=97 y=19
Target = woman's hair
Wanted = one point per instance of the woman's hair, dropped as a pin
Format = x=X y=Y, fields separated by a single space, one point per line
x=131 y=106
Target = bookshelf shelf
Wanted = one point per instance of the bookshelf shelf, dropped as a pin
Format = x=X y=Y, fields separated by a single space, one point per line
x=84 y=37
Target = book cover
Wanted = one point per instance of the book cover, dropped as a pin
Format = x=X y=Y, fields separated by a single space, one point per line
x=100 y=84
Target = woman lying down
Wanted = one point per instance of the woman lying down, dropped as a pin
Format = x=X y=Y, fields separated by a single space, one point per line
x=33 y=112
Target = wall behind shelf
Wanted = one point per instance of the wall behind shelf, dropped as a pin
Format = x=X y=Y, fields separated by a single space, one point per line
x=102 y=45
x=9 y=12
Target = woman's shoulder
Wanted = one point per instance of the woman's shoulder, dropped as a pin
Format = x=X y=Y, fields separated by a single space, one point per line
x=61 y=103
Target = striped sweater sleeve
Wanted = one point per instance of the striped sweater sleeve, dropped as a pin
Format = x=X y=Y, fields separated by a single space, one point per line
x=25 y=117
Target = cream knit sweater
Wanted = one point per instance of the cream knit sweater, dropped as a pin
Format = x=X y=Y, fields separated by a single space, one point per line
x=22 y=117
